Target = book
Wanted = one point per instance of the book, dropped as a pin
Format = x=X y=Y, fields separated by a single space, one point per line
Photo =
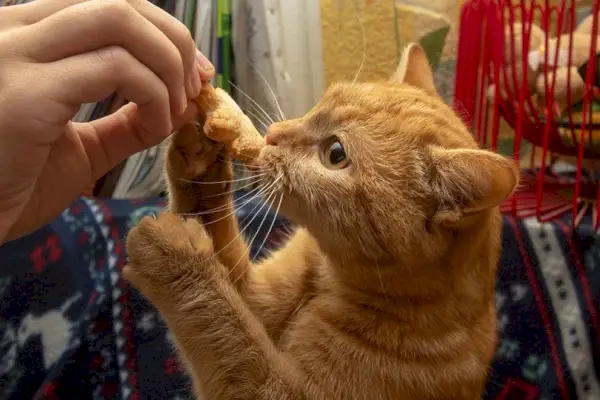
x=190 y=15
x=141 y=175
x=180 y=7
x=214 y=54
x=224 y=43
x=203 y=26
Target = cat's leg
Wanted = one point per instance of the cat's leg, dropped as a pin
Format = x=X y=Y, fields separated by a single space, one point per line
x=275 y=287
x=199 y=175
x=225 y=347
x=279 y=286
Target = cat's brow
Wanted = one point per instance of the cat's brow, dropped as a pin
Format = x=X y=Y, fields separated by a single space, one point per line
x=320 y=121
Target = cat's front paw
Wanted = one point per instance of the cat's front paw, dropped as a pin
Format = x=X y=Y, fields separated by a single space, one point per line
x=191 y=154
x=199 y=169
x=165 y=249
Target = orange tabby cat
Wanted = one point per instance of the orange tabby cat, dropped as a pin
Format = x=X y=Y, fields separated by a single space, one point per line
x=385 y=290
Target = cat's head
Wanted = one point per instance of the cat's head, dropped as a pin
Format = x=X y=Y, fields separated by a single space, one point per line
x=378 y=169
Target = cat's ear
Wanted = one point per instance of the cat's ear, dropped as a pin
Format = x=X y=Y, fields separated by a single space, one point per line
x=469 y=181
x=414 y=69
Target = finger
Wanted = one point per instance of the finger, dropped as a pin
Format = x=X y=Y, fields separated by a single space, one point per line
x=33 y=12
x=111 y=139
x=181 y=36
x=11 y=16
x=71 y=31
x=204 y=67
x=174 y=29
x=98 y=74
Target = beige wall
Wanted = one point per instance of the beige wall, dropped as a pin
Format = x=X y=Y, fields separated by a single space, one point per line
x=388 y=26
x=343 y=39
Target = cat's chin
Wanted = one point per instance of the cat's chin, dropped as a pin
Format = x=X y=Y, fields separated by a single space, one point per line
x=286 y=207
x=291 y=209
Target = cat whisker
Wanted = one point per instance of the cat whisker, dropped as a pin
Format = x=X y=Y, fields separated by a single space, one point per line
x=247 y=252
x=221 y=182
x=256 y=169
x=253 y=238
x=275 y=116
x=223 y=207
x=235 y=207
x=233 y=190
x=270 y=90
x=261 y=112
x=253 y=211
x=251 y=100
x=270 y=228
x=364 y=40
x=260 y=121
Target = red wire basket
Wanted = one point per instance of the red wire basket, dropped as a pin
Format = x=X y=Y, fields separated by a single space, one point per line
x=527 y=84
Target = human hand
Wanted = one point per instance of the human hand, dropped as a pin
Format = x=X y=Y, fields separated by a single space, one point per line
x=56 y=55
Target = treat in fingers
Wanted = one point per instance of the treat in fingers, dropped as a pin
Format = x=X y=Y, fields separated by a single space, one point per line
x=225 y=122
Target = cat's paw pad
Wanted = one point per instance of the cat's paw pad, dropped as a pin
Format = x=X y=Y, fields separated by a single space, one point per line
x=163 y=249
x=191 y=152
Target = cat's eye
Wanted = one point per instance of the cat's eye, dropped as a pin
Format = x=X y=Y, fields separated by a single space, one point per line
x=333 y=155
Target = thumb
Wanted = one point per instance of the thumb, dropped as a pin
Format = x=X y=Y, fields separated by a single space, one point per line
x=111 y=139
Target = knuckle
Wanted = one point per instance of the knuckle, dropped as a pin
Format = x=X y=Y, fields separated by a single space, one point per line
x=173 y=65
x=204 y=246
x=12 y=89
x=133 y=231
x=129 y=273
x=7 y=46
x=116 y=11
x=187 y=41
x=114 y=57
x=135 y=3
x=184 y=44
x=132 y=243
x=163 y=94
x=146 y=223
x=181 y=35
x=169 y=219
x=196 y=228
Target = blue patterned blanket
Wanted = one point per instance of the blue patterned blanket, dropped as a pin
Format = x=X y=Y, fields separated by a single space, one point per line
x=70 y=327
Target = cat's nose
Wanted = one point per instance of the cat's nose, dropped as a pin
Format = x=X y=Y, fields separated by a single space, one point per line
x=274 y=135
x=271 y=140
x=281 y=132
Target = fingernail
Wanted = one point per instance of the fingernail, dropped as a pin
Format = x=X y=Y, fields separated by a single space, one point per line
x=183 y=103
x=203 y=61
x=196 y=82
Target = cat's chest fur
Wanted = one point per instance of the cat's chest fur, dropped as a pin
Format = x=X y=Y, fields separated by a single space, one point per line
x=356 y=351
x=325 y=354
